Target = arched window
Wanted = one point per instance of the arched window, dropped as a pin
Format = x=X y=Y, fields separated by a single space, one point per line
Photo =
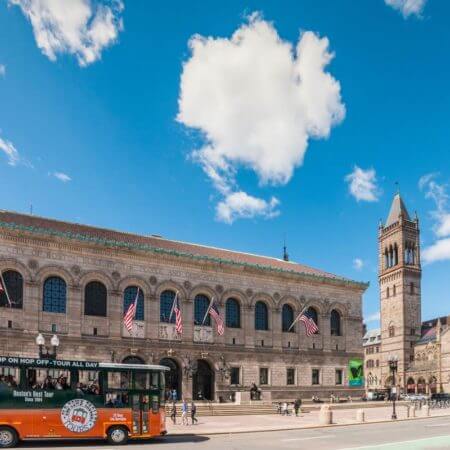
x=387 y=292
x=95 y=299
x=14 y=287
x=233 y=313
x=54 y=297
x=165 y=306
x=261 y=316
x=335 y=323
x=201 y=304
x=287 y=317
x=386 y=259
x=312 y=312
x=129 y=296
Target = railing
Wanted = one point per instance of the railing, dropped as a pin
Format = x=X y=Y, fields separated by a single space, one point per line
x=433 y=404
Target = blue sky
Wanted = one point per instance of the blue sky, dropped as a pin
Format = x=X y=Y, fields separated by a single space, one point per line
x=115 y=114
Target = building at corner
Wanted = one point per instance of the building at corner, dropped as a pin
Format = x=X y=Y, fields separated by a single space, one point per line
x=77 y=281
x=421 y=347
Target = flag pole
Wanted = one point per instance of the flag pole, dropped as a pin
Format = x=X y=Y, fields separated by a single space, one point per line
x=298 y=317
x=207 y=311
x=5 y=289
x=173 y=305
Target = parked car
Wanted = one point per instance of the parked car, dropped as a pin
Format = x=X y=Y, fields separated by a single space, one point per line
x=415 y=397
x=440 y=397
x=375 y=396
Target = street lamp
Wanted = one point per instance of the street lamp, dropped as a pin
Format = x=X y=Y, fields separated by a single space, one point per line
x=393 y=365
x=44 y=352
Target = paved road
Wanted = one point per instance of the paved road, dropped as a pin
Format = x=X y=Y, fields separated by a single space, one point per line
x=409 y=435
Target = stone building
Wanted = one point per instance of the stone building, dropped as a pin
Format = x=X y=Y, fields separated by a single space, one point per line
x=422 y=348
x=77 y=281
x=372 y=368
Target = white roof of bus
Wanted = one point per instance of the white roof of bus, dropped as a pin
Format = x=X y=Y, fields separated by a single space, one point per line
x=133 y=366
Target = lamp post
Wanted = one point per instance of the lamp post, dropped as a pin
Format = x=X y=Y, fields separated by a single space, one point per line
x=393 y=365
x=44 y=352
x=224 y=370
x=190 y=367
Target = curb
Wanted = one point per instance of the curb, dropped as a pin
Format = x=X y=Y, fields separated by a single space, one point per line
x=309 y=427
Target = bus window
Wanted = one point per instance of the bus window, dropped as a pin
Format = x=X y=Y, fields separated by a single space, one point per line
x=88 y=383
x=116 y=400
x=141 y=380
x=9 y=377
x=48 y=379
x=119 y=380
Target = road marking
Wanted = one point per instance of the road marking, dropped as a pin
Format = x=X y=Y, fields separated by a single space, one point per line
x=438 y=425
x=435 y=440
x=308 y=438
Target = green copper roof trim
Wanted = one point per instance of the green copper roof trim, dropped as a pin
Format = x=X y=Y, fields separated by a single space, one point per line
x=158 y=250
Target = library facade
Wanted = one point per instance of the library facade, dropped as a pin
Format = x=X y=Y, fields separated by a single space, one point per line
x=78 y=281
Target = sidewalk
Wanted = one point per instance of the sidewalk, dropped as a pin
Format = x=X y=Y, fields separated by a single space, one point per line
x=242 y=424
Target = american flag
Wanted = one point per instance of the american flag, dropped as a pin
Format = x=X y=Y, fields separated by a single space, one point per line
x=129 y=316
x=214 y=312
x=177 y=310
x=310 y=325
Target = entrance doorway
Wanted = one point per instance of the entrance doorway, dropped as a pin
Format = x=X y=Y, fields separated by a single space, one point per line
x=203 y=381
x=140 y=413
x=173 y=378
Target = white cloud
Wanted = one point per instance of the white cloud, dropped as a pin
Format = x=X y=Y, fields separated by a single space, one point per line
x=238 y=205
x=61 y=176
x=79 y=27
x=363 y=184
x=257 y=101
x=358 y=263
x=373 y=317
x=439 y=251
x=2 y=70
x=10 y=151
x=437 y=192
x=408 y=7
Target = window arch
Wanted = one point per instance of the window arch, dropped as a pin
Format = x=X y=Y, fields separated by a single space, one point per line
x=95 y=299
x=287 y=317
x=201 y=304
x=233 y=313
x=165 y=306
x=54 y=295
x=261 y=316
x=14 y=286
x=129 y=296
x=335 y=323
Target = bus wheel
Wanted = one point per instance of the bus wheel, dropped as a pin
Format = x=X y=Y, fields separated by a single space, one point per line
x=117 y=435
x=8 y=437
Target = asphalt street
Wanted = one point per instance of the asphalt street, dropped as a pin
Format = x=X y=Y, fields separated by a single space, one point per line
x=411 y=435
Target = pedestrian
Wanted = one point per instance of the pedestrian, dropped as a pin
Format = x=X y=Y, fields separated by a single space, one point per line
x=193 y=413
x=297 y=405
x=284 y=409
x=173 y=413
x=174 y=395
x=184 y=411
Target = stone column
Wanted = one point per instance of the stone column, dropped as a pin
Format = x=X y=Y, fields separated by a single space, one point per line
x=32 y=305
x=115 y=313
x=276 y=329
x=74 y=310
x=249 y=326
x=188 y=320
x=151 y=317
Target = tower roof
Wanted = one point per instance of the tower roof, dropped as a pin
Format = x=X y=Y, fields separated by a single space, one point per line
x=397 y=208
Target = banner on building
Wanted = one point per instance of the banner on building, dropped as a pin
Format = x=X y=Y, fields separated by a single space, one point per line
x=356 y=372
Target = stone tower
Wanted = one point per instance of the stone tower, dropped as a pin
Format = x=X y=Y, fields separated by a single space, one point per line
x=400 y=286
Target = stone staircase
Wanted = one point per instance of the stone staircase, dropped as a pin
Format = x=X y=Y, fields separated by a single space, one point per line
x=226 y=409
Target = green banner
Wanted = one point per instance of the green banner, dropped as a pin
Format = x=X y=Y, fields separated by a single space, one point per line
x=356 y=372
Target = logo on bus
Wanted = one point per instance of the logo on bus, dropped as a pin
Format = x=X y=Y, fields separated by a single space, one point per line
x=78 y=415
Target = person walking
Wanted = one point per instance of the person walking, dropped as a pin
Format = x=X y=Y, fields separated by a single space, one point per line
x=184 y=411
x=297 y=405
x=173 y=413
x=284 y=409
x=193 y=413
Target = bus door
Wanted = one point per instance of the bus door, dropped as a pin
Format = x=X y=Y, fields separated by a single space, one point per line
x=140 y=413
